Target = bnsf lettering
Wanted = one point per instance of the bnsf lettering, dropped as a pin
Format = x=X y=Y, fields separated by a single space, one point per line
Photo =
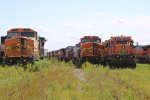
x=14 y=47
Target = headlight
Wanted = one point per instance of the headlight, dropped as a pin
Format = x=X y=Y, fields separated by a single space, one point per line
x=18 y=40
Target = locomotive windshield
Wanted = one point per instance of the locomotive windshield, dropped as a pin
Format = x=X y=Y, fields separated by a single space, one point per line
x=27 y=34
x=12 y=35
x=124 y=43
x=121 y=42
x=96 y=40
x=91 y=40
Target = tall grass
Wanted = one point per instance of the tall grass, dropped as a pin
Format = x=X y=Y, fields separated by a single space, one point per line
x=53 y=80
x=17 y=83
x=120 y=84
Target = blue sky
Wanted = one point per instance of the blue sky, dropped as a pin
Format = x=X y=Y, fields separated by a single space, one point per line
x=64 y=22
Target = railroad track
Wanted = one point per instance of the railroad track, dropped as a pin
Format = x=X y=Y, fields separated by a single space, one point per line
x=79 y=73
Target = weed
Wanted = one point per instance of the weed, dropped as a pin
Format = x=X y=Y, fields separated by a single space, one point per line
x=53 y=80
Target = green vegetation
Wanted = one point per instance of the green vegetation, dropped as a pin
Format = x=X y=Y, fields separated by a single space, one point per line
x=53 y=80
x=31 y=83
x=120 y=84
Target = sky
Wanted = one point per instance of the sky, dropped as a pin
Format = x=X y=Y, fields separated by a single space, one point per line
x=64 y=22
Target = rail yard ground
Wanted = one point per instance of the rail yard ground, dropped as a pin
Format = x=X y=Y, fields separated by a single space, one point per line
x=49 y=79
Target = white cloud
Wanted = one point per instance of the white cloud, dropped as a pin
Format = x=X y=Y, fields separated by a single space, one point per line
x=138 y=27
x=100 y=14
x=50 y=35
x=80 y=24
x=71 y=31
x=73 y=24
x=140 y=21
x=93 y=23
x=57 y=39
x=121 y=21
x=46 y=29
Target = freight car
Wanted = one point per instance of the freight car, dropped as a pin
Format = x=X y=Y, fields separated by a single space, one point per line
x=48 y=54
x=51 y=54
x=56 y=54
x=69 y=53
x=118 y=52
x=61 y=54
x=76 y=53
x=89 y=49
x=23 y=45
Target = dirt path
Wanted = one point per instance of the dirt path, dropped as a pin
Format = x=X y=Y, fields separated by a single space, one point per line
x=79 y=73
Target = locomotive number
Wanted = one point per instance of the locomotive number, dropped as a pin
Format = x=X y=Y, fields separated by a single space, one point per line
x=14 y=47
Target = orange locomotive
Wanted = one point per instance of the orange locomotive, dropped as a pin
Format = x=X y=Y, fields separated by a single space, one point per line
x=142 y=54
x=23 y=45
x=90 y=49
x=119 y=52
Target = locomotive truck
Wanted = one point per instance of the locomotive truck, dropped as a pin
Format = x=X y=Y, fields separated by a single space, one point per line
x=118 y=52
x=23 y=45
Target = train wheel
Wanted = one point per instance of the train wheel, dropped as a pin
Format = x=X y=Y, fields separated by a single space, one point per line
x=111 y=65
x=104 y=63
x=1 y=60
x=134 y=65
